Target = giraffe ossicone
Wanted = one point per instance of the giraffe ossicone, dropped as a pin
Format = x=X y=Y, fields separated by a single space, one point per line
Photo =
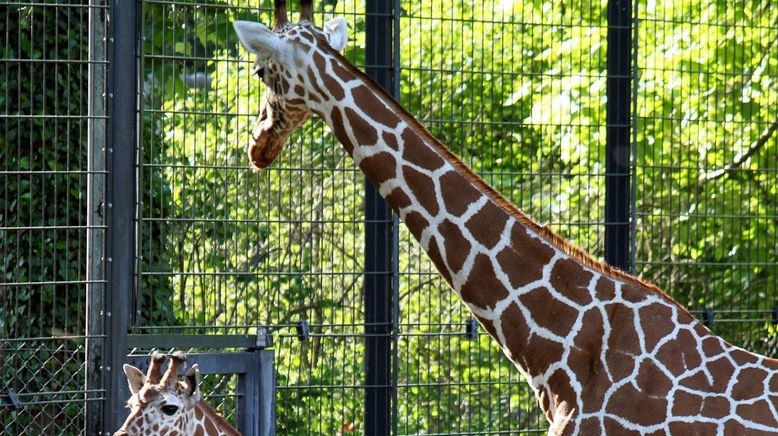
x=604 y=352
x=161 y=405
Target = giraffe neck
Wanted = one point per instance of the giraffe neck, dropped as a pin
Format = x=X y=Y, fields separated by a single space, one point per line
x=530 y=289
x=208 y=422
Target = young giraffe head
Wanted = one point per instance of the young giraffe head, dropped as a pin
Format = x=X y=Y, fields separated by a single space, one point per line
x=162 y=405
x=285 y=58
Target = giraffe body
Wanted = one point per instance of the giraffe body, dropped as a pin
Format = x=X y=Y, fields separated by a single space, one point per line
x=163 y=406
x=604 y=352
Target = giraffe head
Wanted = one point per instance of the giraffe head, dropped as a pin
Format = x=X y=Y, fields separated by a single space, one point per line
x=285 y=56
x=160 y=404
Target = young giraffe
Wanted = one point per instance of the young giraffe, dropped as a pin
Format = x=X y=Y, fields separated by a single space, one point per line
x=604 y=352
x=161 y=405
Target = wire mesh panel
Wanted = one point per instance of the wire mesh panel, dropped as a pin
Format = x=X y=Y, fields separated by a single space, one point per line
x=705 y=163
x=45 y=169
x=224 y=249
x=515 y=89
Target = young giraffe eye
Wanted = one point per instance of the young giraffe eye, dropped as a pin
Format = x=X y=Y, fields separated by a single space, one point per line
x=169 y=409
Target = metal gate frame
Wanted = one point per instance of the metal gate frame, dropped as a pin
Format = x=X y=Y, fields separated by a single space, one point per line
x=256 y=404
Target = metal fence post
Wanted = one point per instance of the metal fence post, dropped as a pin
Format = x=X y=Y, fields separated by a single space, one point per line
x=121 y=156
x=95 y=252
x=617 y=147
x=380 y=244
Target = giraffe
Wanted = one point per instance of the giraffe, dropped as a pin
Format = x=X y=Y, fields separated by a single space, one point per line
x=603 y=351
x=161 y=405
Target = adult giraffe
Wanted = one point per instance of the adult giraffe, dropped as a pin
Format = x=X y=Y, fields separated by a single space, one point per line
x=604 y=352
x=161 y=405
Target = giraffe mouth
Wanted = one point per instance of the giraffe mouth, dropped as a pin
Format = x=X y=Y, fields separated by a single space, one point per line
x=264 y=150
x=265 y=145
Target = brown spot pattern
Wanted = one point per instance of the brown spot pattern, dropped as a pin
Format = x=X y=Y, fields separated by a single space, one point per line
x=613 y=427
x=398 y=199
x=423 y=189
x=647 y=411
x=482 y=287
x=314 y=81
x=457 y=246
x=416 y=223
x=343 y=74
x=541 y=353
x=364 y=133
x=379 y=167
x=521 y=267
x=433 y=252
x=390 y=140
x=651 y=380
x=572 y=280
x=418 y=153
x=339 y=131
x=515 y=330
x=655 y=319
x=375 y=107
x=605 y=289
x=548 y=312
x=715 y=407
x=749 y=384
x=757 y=412
x=487 y=224
x=686 y=404
x=457 y=193
x=522 y=241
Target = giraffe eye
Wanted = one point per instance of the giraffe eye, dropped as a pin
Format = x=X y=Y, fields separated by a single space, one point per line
x=169 y=409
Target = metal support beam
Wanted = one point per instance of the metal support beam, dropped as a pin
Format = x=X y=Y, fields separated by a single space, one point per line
x=95 y=219
x=121 y=156
x=617 y=148
x=380 y=244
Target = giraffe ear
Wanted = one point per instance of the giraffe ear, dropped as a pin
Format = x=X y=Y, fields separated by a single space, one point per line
x=337 y=33
x=193 y=383
x=257 y=38
x=135 y=378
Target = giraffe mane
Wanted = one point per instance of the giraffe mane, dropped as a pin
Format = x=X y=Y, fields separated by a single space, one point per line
x=578 y=254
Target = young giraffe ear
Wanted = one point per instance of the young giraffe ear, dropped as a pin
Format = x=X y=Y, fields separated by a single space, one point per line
x=193 y=383
x=257 y=38
x=337 y=33
x=135 y=378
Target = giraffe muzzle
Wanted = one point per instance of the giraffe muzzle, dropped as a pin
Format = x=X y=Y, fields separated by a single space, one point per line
x=265 y=147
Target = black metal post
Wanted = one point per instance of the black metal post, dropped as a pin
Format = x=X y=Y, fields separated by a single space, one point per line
x=96 y=234
x=121 y=197
x=617 y=148
x=379 y=244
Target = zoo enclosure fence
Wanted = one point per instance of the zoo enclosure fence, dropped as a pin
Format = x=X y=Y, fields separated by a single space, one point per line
x=130 y=216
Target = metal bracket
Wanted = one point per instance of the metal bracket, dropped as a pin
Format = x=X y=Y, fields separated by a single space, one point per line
x=264 y=338
x=707 y=317
x=13 y=399
x=471 y=328
x=303 y=331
